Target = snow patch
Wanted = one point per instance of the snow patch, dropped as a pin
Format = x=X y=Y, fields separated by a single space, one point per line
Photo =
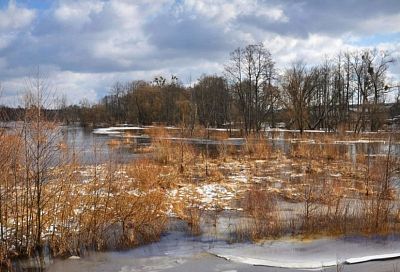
x=372 y=258
x=280 y=264
x=239 y=178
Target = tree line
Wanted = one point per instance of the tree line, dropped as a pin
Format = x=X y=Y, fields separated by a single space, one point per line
x=346 y=91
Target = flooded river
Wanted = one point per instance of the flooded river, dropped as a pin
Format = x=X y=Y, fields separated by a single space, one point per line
x=180 y=252
x=96 y=148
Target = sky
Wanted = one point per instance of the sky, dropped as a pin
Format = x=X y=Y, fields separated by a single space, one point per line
x=83 y=47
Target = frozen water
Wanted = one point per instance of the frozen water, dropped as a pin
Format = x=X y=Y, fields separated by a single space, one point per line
x=179 y=252
x=311 y=254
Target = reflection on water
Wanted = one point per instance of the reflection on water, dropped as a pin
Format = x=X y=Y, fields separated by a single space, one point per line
x=92 y=148
x=352 y=149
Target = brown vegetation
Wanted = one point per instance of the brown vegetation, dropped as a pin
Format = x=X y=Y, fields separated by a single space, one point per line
x=50 y=201
x=315 y=189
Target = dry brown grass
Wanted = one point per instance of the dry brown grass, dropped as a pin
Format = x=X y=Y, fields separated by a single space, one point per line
x=149 y=175
x=225 y=152
x=114 y=143
x=189 y=210
x=193 y=219
x=256 y=147
x=158 y=132
x=211 y=133
x=218 y=134
x=98 y=207
x=116 y=208
x=261 y=216
x=357 y=198
x=326 y=151
x=178 y=154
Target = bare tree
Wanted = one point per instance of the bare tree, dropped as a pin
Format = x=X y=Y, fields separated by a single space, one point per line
x=212 y=101
x=40 y=146
x=298 y=87
x=370 y=68
x=249 y=71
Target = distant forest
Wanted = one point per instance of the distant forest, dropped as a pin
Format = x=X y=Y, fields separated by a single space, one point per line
x=345 y=92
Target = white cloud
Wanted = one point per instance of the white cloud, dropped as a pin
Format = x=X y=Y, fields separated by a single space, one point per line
x=382 y=24
x=311 y=50
x=6 y=39
x=77 y=13
x=89 y=44
x=14 y=17
x=272 y=13
x=227 y=10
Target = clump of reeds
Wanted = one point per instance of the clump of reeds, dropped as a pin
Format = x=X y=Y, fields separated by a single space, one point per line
x=312 y=151
x=193 y=219
x=176 y=152
x=113 y=143
x=190 y=211
x=149 y=173
x=261 y=218
x=117 y=207
x=218 y=134
x=161 y=145
x=257 y=147
x=300 y=150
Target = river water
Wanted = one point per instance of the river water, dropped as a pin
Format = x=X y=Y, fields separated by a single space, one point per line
x=96 y=148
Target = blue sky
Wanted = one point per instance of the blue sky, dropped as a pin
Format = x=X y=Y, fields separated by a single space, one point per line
x=34 y=4
x=379 y=38
x=85 y=46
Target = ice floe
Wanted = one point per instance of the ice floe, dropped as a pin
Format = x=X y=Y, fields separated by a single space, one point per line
x=373 y=258
x=316 y=254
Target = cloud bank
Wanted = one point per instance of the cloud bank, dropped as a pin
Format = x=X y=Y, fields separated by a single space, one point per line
x=84 y=46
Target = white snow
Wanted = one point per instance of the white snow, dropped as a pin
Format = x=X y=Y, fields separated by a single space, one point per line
x=74 y=258
x=239 y=178
x=223 y=129
x=211 y=191
x=372 y=258
x=115 y=130
x=361 y=141
x=118 y=130
x=280 y=264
